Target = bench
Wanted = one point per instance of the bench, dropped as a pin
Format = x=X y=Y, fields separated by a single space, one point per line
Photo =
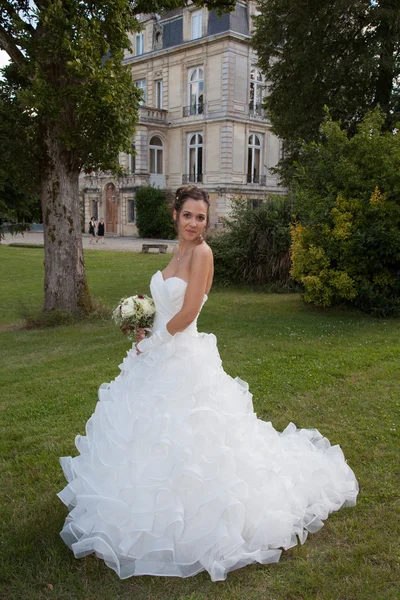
x=160 y=247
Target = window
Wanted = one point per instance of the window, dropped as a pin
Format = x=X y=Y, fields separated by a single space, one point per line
x=132 y=160
x=257 y=90
x=139 y=43
x=156 y=156
x=196 y=92
x=197 y=24
x=95 y=210
x=195 y=159
x=254 y=159
x=159 y=94
x=130 y=210
x=141 y=84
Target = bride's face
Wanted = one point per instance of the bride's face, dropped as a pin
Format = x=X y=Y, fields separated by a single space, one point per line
x=192 y=219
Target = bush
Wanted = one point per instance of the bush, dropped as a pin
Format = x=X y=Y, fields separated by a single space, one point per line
x=254 y=249
x=346 y=244
x=154 y=217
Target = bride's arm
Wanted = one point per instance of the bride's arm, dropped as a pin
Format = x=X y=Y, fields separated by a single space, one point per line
x=200 y=267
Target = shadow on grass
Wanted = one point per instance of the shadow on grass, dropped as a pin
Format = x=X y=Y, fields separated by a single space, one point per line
x=55 y=318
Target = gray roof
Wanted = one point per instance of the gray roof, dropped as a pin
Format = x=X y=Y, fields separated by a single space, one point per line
x=172 y=33
x=172 y=13
x=172 y=23
x=234 y=21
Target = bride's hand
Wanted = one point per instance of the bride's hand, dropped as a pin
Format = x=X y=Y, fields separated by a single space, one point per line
x=141 y=334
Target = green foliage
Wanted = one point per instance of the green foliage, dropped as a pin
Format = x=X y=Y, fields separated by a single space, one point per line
x=19 y=183
x=346 y=244
x=254 y=249
x=154 y=217
x=327 y=52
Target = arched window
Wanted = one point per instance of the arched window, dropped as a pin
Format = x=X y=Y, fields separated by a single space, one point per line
x=257 y=91
x=196 y=91
x=195 y=159
x=254 y=159
x=156 y=156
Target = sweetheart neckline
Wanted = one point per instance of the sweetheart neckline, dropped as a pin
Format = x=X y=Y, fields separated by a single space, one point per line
x=174 y=277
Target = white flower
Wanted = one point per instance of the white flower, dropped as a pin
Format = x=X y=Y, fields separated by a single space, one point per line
x=128 y=308
x=147 y=306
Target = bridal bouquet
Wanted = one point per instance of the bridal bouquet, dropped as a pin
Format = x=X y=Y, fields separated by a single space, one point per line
x=134 y=313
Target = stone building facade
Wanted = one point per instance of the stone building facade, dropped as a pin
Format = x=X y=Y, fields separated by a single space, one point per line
x=201 y=118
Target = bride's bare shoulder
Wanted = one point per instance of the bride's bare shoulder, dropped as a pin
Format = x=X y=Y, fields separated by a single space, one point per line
x=203 y=250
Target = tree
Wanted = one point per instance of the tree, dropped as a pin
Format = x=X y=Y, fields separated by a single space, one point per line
x=153 y=213
x=344 y=54
x=82 y=106
x=254 y=247
x=346 y=243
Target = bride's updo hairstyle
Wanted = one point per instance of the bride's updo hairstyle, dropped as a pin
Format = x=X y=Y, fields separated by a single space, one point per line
x=191 y=192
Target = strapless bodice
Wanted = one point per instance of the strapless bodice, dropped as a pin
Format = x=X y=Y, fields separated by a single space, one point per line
x=168 y=295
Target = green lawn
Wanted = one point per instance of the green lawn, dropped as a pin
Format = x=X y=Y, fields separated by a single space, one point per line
x=336 y=370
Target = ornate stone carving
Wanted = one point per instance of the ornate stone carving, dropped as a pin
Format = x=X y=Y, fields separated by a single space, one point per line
x=157 y=36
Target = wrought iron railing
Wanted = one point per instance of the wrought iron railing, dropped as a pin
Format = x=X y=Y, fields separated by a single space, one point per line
x=256 y=111
x=193 y=109
x=258 y=179
x=192 y=178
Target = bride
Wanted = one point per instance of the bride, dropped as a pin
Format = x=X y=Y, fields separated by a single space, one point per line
x=176 y=474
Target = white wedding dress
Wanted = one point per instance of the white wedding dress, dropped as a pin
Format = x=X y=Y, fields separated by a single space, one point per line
x=177 y=475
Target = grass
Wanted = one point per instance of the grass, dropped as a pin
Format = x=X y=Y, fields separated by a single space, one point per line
x=336 y=370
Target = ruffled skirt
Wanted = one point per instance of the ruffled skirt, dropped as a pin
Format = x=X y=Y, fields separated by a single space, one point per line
x=176 y=474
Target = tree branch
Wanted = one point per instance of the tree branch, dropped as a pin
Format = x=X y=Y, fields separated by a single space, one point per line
x=14 y=15
x=8 y=44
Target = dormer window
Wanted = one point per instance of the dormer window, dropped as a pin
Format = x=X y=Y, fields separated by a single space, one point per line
x=139 y=44
x=196 y=24
x=157 y=36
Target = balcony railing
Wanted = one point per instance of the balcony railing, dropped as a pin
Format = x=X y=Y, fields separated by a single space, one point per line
x=192 y=178
x=256 y=111
x=193 y=109
x=152 y=115
x=127 y=181
x=257 y=179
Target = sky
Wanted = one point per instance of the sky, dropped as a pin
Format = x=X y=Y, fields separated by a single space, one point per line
x=3 y=58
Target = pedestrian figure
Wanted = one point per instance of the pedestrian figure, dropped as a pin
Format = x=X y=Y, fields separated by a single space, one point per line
x=100 y=231
x=92 y=230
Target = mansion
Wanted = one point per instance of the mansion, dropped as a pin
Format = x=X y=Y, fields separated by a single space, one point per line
x=200 y=121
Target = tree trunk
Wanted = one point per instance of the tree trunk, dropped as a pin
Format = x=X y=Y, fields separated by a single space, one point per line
x=65 y=285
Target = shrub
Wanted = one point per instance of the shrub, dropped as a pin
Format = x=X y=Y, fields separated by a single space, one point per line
x=346 y=244
x=254 y=249
x=154 y=217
